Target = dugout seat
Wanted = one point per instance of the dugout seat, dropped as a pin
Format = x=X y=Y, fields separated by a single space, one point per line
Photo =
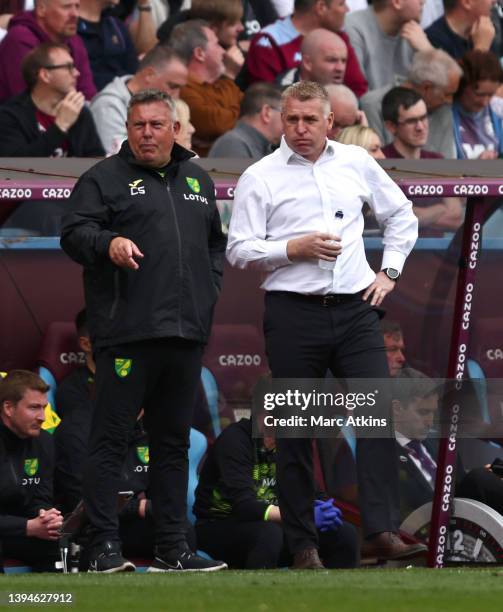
x=235 y=358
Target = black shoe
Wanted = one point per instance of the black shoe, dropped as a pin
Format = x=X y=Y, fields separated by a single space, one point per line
x=184 y=561
x=107 y=558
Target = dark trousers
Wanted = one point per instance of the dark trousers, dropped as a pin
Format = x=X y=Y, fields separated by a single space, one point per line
x=40 y=555
x=261 y=544
x=163 y=380
x=304 y=339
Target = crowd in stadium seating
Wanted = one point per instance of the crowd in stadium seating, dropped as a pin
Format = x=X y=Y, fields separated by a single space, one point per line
x=68 y=70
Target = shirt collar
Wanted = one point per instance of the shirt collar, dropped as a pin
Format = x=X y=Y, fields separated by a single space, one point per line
x=290 y=157
x=401 y=439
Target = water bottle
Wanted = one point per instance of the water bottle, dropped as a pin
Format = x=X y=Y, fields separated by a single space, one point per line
x=336 y=230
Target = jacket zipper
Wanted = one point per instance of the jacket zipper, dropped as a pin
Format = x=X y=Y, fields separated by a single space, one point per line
x=180 y=266
x=115 y=303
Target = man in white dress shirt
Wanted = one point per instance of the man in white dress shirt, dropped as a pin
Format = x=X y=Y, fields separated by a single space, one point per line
x=317 y=319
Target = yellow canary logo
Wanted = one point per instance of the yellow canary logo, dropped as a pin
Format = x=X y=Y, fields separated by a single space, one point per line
x=136 y=183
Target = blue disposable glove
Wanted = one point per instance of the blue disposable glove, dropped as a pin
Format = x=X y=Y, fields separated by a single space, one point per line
x=326 y=516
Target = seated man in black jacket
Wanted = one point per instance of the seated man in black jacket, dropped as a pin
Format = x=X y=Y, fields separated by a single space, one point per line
x=238 y=517
x=50 y=119
x=29 y=524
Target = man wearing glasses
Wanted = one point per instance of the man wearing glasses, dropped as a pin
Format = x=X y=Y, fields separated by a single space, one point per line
x=50 y=21
x=405 y=116
x=50 y=119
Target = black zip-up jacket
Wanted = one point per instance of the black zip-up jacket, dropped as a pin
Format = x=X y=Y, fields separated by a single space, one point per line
x=174 y=221
x=21 y=136
x=26 y=477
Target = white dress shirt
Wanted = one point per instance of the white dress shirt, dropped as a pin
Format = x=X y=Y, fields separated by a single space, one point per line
x=285 y=196
x=403 y=441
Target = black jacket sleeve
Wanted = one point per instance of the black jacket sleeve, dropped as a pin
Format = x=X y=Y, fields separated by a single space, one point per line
x=84 y=236
x=234 y=457
x=43 y=499
x=84 y=138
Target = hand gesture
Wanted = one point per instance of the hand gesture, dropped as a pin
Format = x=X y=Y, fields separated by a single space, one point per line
x=68 y=110
x=414 y=34
x=482 y=33
x=379 y=289
x=314 y=246
x=122 y=252
x=327 y=517
x=46 y=526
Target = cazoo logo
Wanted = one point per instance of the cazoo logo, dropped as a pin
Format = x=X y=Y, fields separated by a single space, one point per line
x=239 y=360
x=79 y=358
x=494 y=354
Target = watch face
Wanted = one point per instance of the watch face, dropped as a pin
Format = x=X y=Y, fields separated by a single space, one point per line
x=392 y=273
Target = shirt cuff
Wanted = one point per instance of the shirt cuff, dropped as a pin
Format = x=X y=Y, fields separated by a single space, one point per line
x=393 y=259
x=276 y=253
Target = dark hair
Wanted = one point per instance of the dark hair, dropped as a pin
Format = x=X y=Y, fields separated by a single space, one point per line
x=410 y=384
x=160 y=55
x=257 y=95
x=479 y=66
x=389 y=327
x=38 y=58
x=81 y=323
x=394 y=99
x=149 y=96
x=17 y=382
x=188 y=36
x=217 y=11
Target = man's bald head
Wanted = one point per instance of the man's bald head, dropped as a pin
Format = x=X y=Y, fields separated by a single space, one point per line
x=324 y=57
x=344 y=105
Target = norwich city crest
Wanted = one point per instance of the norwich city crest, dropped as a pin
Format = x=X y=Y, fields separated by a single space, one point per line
x=123 y=367
x=193 y=183
x=31 y=466
x=142 y=452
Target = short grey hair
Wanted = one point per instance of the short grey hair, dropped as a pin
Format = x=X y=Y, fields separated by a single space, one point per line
x=341 y=92
x=434 y=66
x=306 y=90
x=149 y=96
x=187 y=36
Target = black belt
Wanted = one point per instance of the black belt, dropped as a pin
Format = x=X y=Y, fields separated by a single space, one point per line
x=330 y=299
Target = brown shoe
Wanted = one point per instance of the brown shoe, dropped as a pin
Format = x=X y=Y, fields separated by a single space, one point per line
x=389 y=546
x=307 y=559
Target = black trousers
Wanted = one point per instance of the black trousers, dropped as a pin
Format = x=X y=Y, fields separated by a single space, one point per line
x=261 y=544
x=162 y=378
x=304 y=339
x=40 y=555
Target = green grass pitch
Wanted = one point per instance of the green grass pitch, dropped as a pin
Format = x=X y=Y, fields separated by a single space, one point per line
x=371 y=590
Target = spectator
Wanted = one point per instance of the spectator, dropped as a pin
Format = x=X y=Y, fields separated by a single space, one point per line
x=394 y=345
x=362 y=136
x=29 y=523
x=224 y=18
x=184 y=136
x=406 y=118
x=259 y=127
x=415 y=407
x=385 y=37
x=477 y=129
x=50 y=21
x=50 y=119
x=238 y=517
x=213 y=99
x=109 y=47
x=464 y=26
x=344 y=107
x=434 y=75
x=276 y=48
x=324 y=59
x=160 y=69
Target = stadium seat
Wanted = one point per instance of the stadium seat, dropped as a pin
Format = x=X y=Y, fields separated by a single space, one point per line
x=235 y=357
